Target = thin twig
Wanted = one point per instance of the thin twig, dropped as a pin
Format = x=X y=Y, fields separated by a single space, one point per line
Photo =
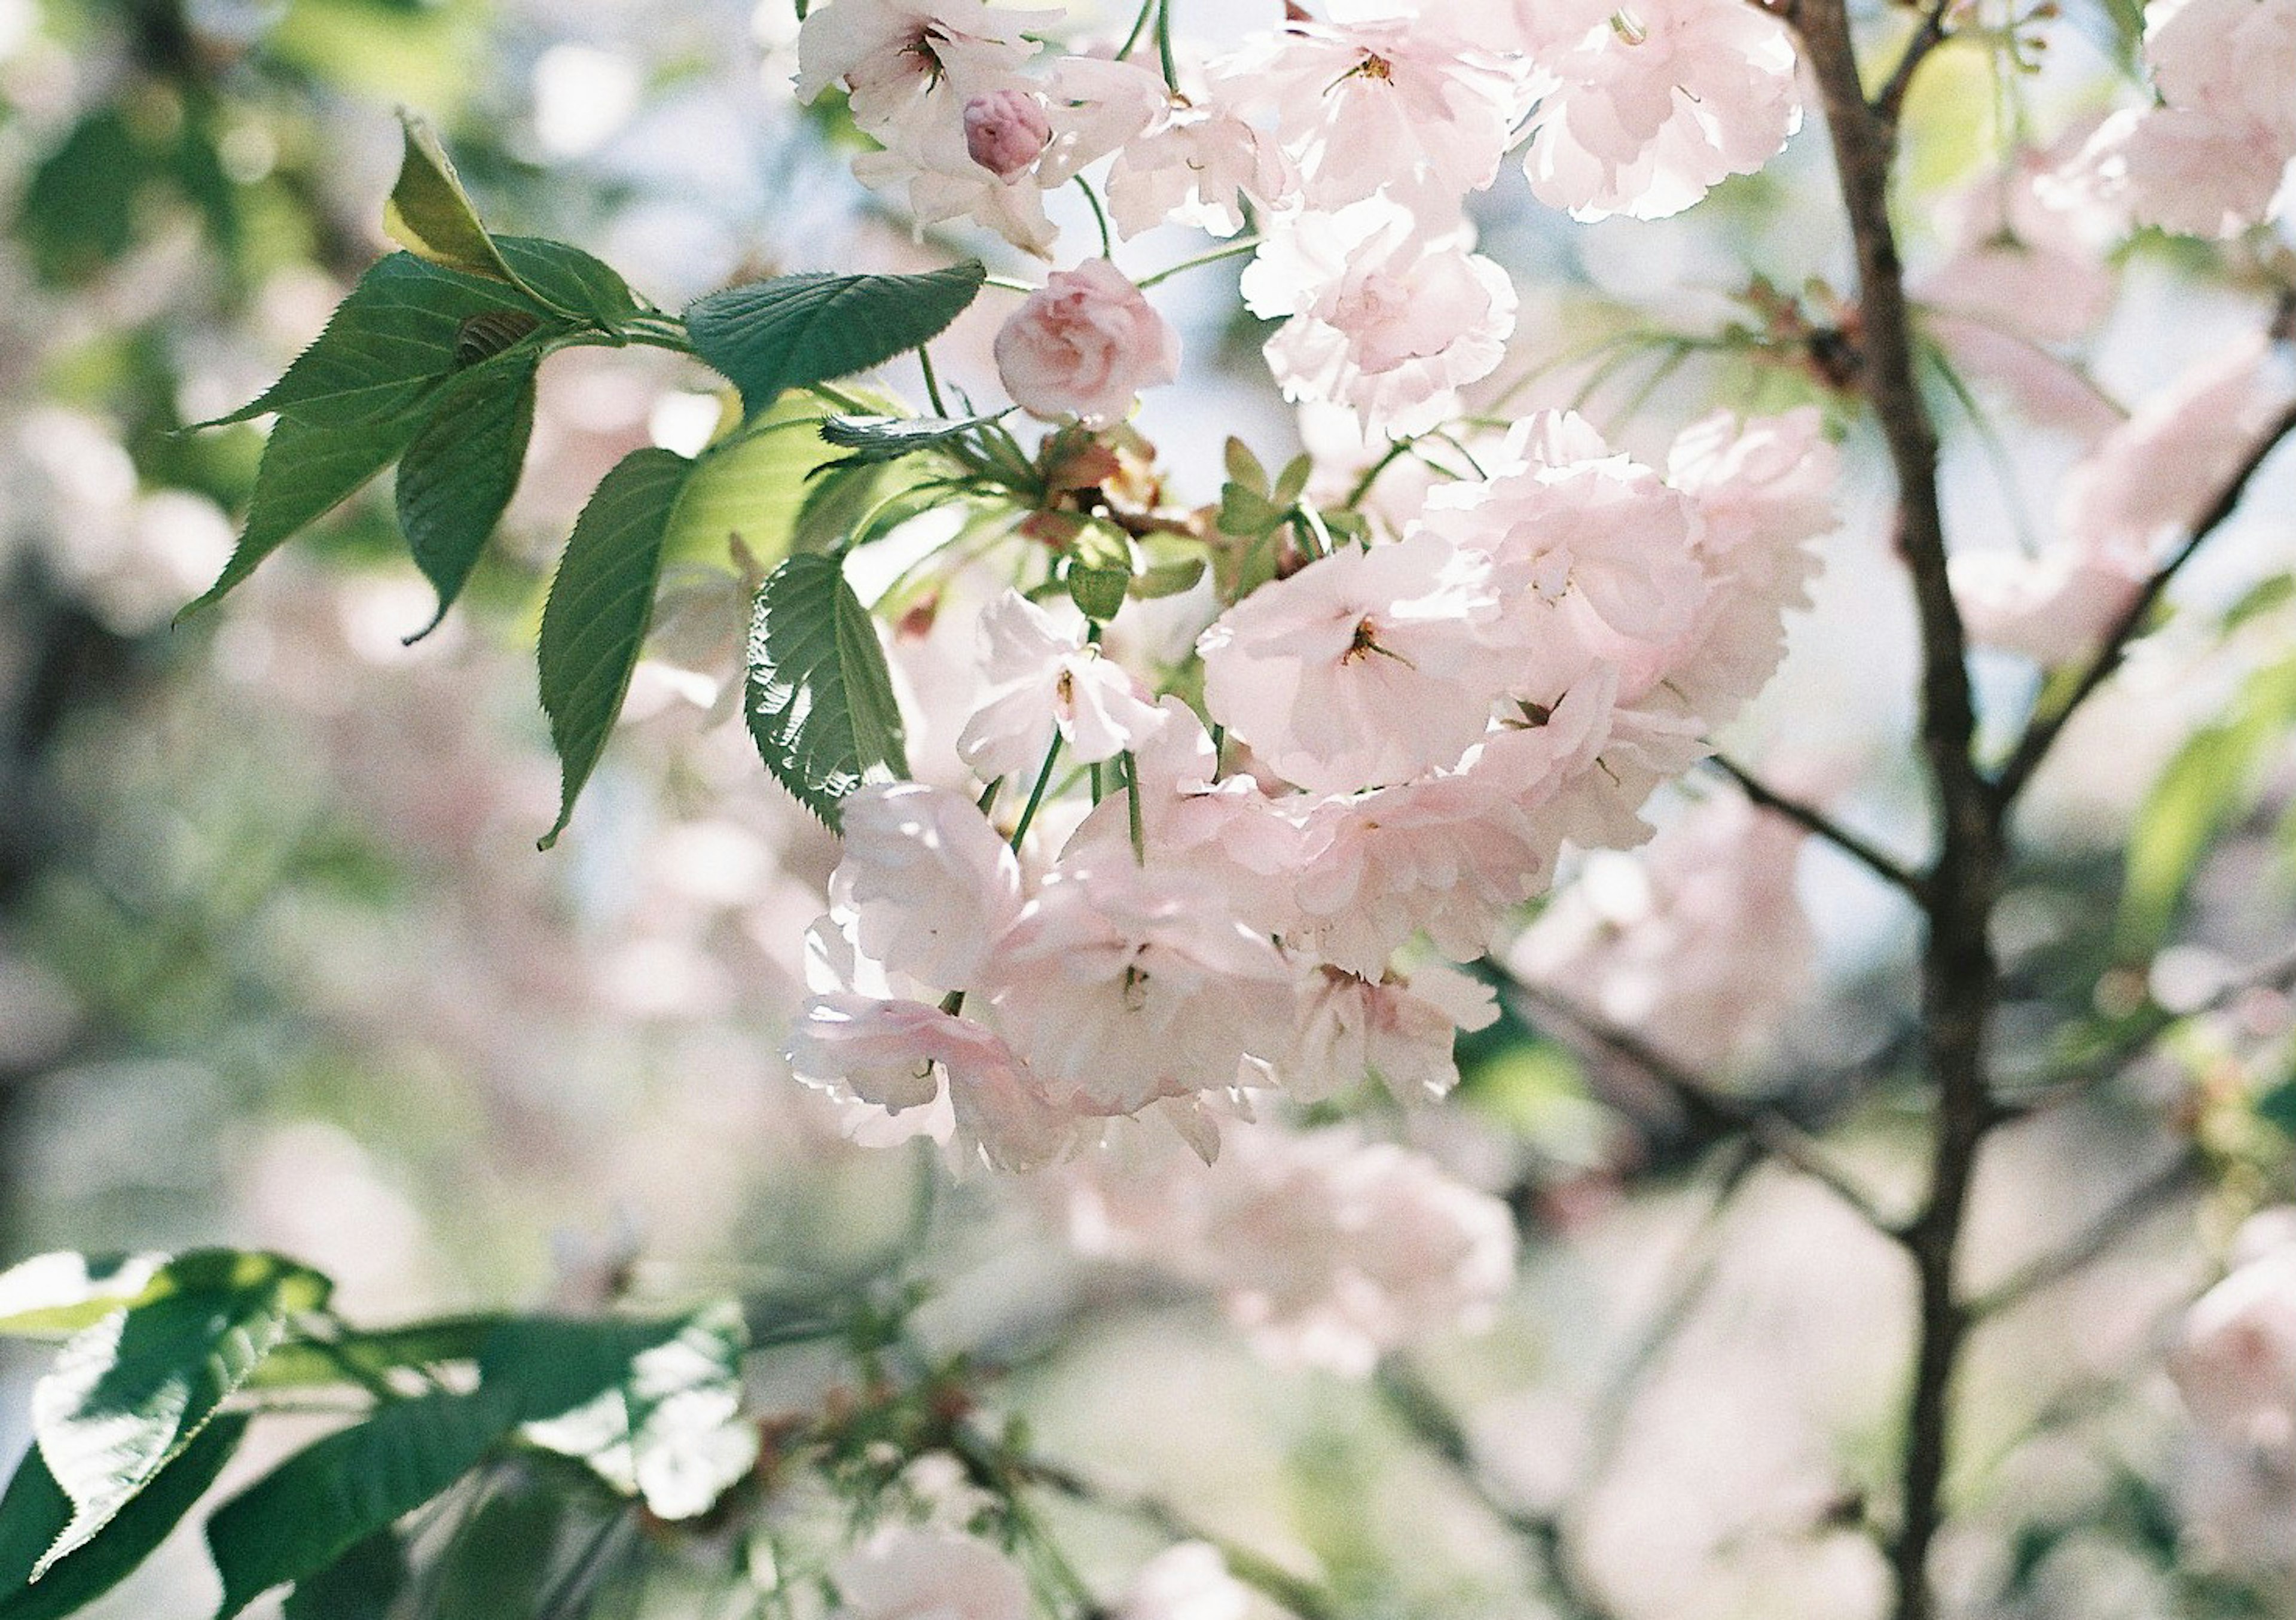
x=1422 y=1411
x=1890 y=100
x=2093 y=1242
x=1302 y=1597
x=1772 y=1132
x=2042 y=734
x=1890 y=870
x=2139 y=1031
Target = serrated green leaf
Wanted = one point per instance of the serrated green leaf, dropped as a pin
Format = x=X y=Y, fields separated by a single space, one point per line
x=568 y=280
x=127 y=1394
x=796 y=331
x=819 y=696
x=306 y=473
x=431 y=216
x=363 y=1584
x=669 y=1427
x=361 y=1357
x=461 y=470
x=36 y=1512
x=55 y=1295
x=297 y=1520
x=404 y=326
x=594 y=622
x=878 y=439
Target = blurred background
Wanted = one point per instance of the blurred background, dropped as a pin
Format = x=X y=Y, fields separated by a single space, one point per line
x=280 y=966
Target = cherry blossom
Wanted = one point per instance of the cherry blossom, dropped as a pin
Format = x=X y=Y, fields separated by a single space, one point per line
x=1042 y=674
x=1643 y=110
x=1364 y=668
x=1387 y=319
x=915 y=1575
x=928 y=881
x=1084 y=345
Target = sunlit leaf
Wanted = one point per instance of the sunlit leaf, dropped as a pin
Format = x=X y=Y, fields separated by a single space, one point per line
x=820 y=698
x=128 y=1394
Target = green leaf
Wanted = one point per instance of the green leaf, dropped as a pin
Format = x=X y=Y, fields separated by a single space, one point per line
x=594 y=622
x=796 y=331
x=306 y=473
x=877 y=439
x=2278 y=1107
x=554 y=1364
x=669 y=1429
x=127 y=1394
x=569 y=281
x=36 y=1512
x=55 y=1295
x=1246 y=514
x=1292 y=481
x=297 y=1520
x=753 y=485
x=430 y=214
x=363 y=1584
x=363 y=1357
x=1167 y=578
x=1099 y=592
x=2212 y=782
x=460 y=473
x=1243 y=468
x=407 y=325
x=819 y=697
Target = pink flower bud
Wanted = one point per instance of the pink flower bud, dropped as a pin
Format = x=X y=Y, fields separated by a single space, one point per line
x=1005 y=130
x=1084 y=345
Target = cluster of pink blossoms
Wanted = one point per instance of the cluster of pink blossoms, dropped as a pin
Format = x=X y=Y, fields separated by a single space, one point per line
x=1411 y=730
x=1353 y=142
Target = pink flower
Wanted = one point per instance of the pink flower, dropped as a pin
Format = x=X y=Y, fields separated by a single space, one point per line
x=1644 y=109
x=1364 y=668
x=1041 y=676
x=2052 y=608
x=1398 y=102
x=1005 y=130
x=1084 y=345
x=2235 y=1362
x=1195 y=166
x=928 y=882
x=1399 y=1027
x=1385 y=320
x=1189 y=1582
x=1121 y=986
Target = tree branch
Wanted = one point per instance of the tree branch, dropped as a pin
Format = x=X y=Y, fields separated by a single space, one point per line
x=1885 y=866
x=2041 y=735
x=2094 y=1241
x=1422 y=1411
x=1776 y=1135
x=1960 y=980
x=1890 y=100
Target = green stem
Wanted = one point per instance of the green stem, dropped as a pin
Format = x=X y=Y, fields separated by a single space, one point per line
x=932 y=383
x=1164 y=45
x=1099 y=219
x=1036 y=793
x=1227 y=250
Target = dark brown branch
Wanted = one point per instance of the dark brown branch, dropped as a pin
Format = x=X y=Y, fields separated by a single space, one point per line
x=1890 y=100
x=1816 y=822
x=2042 y=734
x=1960 y=980
x=1715 y=1110
x=2094 y=1242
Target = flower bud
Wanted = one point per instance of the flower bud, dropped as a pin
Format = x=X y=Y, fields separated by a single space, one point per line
x=1005 y=130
